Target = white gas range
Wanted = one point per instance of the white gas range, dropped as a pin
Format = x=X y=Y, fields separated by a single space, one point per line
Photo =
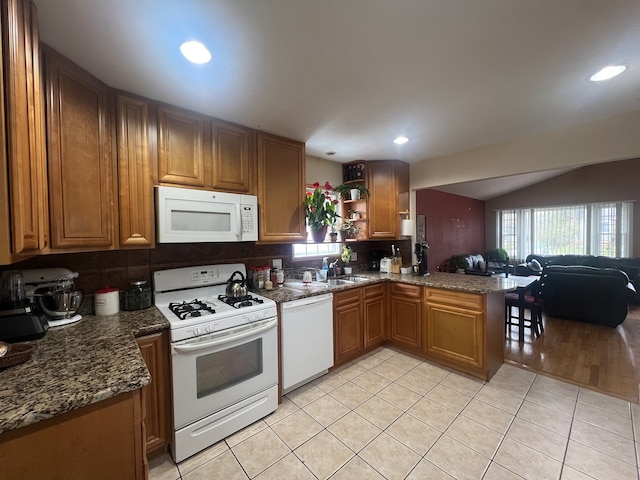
x=224 y=354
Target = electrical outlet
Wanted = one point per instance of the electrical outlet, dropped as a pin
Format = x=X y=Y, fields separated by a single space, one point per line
x=277 y=263
x=354 y=256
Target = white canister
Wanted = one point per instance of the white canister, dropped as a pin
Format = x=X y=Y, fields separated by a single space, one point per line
x=107 y=301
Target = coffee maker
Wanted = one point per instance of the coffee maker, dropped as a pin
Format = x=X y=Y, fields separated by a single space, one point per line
x=420 y=249
x=375 y=256
x=19 y=320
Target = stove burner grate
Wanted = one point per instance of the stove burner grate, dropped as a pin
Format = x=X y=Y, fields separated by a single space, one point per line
x=193 y=309
x=239 y=302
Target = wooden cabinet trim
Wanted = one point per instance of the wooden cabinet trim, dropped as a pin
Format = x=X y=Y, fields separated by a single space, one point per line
x=135 y=185
x=377 y=290
x=405 y=290
x=450 y=297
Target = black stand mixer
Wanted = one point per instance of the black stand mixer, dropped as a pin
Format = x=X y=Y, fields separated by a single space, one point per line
x=420 y=249
x=19 y=320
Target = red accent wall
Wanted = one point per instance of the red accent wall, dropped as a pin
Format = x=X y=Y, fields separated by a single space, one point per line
x=454 y=224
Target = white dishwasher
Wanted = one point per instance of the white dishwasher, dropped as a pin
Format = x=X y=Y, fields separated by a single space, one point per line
x=307 y=339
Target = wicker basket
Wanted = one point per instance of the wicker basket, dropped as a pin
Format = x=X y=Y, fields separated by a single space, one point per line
x=18 y=354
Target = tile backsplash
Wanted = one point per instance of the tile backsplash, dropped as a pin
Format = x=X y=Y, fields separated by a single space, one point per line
x=117 y=268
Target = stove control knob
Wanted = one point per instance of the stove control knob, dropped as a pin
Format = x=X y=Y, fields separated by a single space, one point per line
x=196 y=330
x=208 y=328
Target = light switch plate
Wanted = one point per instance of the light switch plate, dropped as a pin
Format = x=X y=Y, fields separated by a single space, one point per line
x=277 y=263
x=354 y=256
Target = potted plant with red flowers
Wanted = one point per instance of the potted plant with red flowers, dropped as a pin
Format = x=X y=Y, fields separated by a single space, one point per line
x=320 y=211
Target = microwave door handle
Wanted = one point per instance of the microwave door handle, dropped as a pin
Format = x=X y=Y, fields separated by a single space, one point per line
x=245 y=332
x=239 y=217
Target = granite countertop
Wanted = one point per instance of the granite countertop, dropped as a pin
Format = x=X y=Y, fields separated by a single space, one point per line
x=98 y=358
x=76 y=365
x=295 y=289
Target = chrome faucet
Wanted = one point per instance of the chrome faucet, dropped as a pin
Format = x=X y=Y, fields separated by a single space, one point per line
x=332 y=268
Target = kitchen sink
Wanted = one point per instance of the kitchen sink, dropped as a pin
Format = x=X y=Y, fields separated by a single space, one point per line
x=356 y=279
x=346 y=280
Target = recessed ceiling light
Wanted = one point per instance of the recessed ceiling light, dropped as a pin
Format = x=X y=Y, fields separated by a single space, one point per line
x=195 y=52
x=607 y=72
x=400 y=140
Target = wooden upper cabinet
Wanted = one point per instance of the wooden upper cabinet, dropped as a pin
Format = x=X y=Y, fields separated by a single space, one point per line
x=81 y=163
x=388 y=184
x=22 y=160
x=383 y=201
x=281 y=189
x=136 y=157
x=234 y=158
x=182 y=156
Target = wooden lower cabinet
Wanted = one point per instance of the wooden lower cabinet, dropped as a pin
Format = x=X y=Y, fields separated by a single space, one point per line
x=464 y=330
x=156 y=396
x=347 y=325
x=359 y=321
x=405 y=315
x=102 y=441
x=374 y=313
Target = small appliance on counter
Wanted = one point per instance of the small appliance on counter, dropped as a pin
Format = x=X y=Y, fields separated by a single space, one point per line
x=420 y=249
x=385 y=265
x=18 y=319
x=374 y=259
x=54 y=294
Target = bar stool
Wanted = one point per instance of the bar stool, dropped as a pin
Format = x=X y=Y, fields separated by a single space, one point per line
x=532 y=302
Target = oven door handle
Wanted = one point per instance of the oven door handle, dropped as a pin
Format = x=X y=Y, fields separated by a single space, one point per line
x=242 y=333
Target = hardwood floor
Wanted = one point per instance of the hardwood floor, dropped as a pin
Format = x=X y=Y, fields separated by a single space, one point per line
x=600 y=358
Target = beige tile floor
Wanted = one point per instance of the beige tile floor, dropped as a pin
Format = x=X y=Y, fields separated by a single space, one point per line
x=390 y=415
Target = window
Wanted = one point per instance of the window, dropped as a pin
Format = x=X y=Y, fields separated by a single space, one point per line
x=310 y=250
x=591 y=229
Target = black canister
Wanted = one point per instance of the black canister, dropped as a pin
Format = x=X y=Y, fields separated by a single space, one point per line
x=137 y=296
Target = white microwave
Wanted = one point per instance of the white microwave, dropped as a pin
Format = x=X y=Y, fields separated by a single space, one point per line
x=185 y=215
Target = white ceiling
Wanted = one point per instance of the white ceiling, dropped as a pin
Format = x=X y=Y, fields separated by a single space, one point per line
x=348 y=76
x=489 y=188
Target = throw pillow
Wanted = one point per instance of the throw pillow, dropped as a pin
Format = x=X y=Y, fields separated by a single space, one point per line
x=535 y=265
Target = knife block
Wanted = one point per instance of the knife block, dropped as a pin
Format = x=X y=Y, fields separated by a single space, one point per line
x=395 y=268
